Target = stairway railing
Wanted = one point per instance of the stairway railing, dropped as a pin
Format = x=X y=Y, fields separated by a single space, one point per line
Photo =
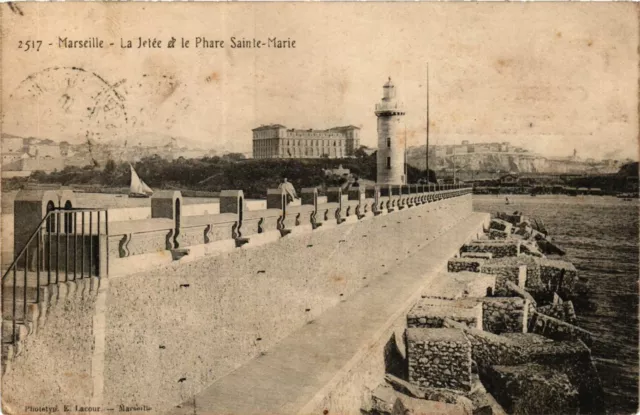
x=58 y=228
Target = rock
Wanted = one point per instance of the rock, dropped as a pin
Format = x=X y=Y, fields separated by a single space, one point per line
x=435 y=398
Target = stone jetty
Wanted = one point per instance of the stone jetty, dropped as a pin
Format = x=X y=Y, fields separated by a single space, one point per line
x=498 y=336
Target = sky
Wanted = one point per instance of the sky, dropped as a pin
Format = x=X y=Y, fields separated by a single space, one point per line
x=552 y=77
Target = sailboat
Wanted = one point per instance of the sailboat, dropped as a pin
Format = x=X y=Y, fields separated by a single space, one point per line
x=138 y=188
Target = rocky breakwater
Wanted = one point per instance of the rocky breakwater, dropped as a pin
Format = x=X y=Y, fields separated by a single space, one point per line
x=497 y=334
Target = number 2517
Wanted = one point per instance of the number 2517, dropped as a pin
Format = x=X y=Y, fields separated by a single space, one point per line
x=28 y=45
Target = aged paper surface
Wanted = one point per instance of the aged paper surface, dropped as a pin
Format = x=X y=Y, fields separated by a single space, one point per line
x=284 y=208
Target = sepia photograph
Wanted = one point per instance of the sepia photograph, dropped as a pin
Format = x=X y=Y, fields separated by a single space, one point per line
x=319 y=208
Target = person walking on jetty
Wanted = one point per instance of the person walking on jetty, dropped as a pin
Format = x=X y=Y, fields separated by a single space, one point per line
x=289 y=190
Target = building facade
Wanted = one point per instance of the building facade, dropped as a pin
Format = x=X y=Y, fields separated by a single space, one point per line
x=277 y=141
x=391 y=145
x=467 y=147
x=30 y=154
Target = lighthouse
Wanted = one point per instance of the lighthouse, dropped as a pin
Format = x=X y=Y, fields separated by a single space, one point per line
x=391 y=146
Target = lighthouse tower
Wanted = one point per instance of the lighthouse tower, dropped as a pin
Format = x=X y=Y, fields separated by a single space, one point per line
x=391 y=147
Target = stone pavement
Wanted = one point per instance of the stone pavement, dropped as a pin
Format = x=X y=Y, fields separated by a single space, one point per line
x=296 y=374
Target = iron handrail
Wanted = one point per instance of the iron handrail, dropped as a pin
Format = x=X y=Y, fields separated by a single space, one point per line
x=33 y=235
x=26 y=245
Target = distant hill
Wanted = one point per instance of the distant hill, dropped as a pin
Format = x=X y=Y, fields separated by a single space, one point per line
x=154 y=140
x=628 y=170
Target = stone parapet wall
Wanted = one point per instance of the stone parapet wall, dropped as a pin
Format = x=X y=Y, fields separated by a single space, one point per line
x=439 y=358
x=140 y=236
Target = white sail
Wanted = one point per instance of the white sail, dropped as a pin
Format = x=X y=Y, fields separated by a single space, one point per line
x=138 y=187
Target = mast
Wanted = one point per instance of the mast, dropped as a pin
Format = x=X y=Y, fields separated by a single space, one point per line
x=406 y=168
x=454 y=169
x=428 y=179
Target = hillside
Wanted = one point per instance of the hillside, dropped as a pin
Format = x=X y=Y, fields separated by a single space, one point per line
x=496 y=162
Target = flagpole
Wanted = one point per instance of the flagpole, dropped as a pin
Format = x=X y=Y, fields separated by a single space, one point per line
x=428 y=179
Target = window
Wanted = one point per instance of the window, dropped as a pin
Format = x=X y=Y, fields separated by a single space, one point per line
x=388 y=142
x=388 y=162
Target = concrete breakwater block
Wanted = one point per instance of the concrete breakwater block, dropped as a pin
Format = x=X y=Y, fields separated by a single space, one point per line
x=516 y=291
x=465 y=264
x=439 y=357
x=513 y=219
x=549 y=248
x=431 y=312
x=558 y=276
x=530 y=248
x=571 y=357
x=556 y=329
x=505 y=272
x=461 y=284
x=483 y=255
x=524 y=229
x=500 y=225
x=512 y=265
x=495 y=234
x=562 y=311
x=499 y=248
x=490 y=349
x=505 y=314
x=532 y=389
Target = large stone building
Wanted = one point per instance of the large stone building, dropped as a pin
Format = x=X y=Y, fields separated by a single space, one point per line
x=391 y=145
x=276 y=141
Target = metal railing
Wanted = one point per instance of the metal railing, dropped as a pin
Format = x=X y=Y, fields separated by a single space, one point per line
x=59 y=228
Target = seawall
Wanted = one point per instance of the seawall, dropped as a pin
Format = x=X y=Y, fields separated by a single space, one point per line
x=158 y=337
